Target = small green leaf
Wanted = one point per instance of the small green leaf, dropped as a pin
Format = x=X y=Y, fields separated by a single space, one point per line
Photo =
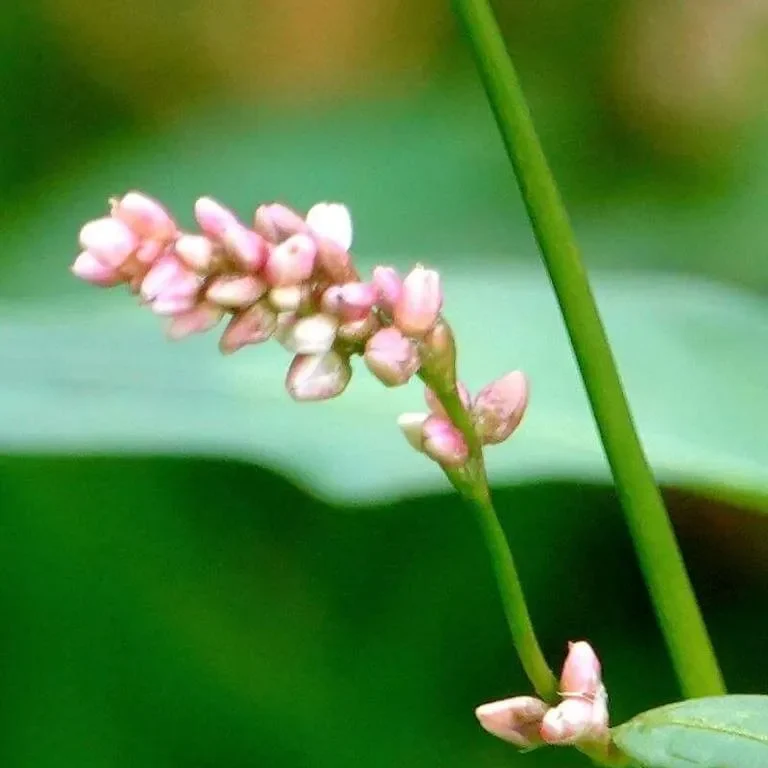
x=717 y=732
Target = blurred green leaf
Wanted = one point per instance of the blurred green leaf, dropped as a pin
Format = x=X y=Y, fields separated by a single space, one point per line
x=89 y=374
x=722 y=731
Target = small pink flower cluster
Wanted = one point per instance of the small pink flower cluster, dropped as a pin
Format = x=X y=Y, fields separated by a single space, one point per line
x=581 y=718
x=288 y=277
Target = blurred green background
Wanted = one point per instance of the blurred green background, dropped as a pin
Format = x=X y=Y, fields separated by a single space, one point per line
x=196 y=571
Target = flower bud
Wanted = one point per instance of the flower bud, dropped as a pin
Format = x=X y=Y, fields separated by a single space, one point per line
x=444 y=443
x=288 y=298
x=412 y=427
x=391 y=357
x=581 y=675
x=247 y=249
x=567 y=723
x=500 y=406
x=169 y=279
x=515 y=720
x=87 y=267
x=419 y=305
x=108 y=240
x=252 y=326
x=145 y=216
x=311 y=335
x=356 y=300
x=276 y=222
x=291 y=262
x=437 y=407
x=235 y=291
x=358 y=331
x=389 y=287
x=331 y=221
x=214 y=219
x=202 y=317
x=196 y=252
x=318 y=377
x=148 y=252
x=335 y=262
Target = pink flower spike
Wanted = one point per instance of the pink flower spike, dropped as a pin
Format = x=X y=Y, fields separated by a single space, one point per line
x=436 y=407
x=214 y=219
x=196 y=251
x=312 y=335
x=199 y=319
x=444 y=443
x=291 y=262
x=109 y=240
x=412 y=427
x=145 y=216
x=167 y=279
x=235 y=291
x=389 y=287
x=276 y=222
x=248 y=249
x=252 y=326
x=515 y=720
x=567 y=723
x=318 y=377
x=331 y=221
x=391 y=357
x=87 y=267
x=419 y=306
x=499 y=407
x=581 y=675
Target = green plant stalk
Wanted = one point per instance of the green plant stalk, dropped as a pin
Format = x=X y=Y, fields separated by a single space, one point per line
x=657 y=549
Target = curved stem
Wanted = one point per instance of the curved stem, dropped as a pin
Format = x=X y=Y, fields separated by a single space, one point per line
x=657 y=549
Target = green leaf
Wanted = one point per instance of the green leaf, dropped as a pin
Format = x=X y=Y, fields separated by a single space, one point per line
x=93 y=374
x=717 y=732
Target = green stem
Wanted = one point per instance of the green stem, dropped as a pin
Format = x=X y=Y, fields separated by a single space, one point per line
x=659 y=555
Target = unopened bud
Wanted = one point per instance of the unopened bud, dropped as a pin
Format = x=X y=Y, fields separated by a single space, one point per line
x=515 y=720
x=196 y=251
x=391 y=357
x=318 y=377
x=291 y=262
x=444 y=443
x=500 y=406
x=247 y=249
x=335 y=262
x=358 y=331
x=276 y=222
x=149 y=251
x=235 y=291
x=202 y=317
x=169 y=279
x=351 y=301
x=288 y=298
x=567 y=723
x=251 y=326
x=419 y=305
x=87 y=267
x=312 y=335
x=109 y=240
x=145 y=216
x=214 y=219
x=581 y=674
x=437 y=407
x=389 y=287
x=331 y=221
x=412 y=427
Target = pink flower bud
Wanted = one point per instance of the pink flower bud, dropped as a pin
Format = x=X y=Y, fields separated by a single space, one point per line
x=419 y=305
x=358 y=331
x=248 y=250
x=312 y=335
x=288 y=298
x=149 y=252
x=87 y=267
x=202 y=317
x=291 y=262
x=581 y=675
x=276 y=222
x=335 y=262
x=499 y=407
x=171 y=306
x=599 y=730
x=389 y=287
x=567 y=723
x=412 y=427
x=196 y=251
x=169 y=279
x=356 y=300
x=318 y=377
x=145 y=216
x=214 y=219
x=252 y=326
x=391 y=357
x=331 y=221
x=235 y=291
x=444 y=443
x=514 y=720
x=109 y=240
x=436 y=406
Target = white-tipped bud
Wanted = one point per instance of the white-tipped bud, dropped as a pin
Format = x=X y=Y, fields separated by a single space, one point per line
x=235 y=291
x=318 y=377
x=196 y=251
x=312 y=335
x=515 y=720
x=332 y=221
x=252 y=326
x=412 y=427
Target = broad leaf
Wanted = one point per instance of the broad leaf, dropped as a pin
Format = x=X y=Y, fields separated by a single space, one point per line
x=717 y=732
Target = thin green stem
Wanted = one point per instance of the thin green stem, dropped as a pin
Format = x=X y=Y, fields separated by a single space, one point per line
x=657 y=549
